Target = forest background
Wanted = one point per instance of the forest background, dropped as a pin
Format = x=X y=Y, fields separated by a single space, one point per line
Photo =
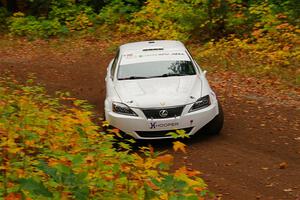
x=257 y=37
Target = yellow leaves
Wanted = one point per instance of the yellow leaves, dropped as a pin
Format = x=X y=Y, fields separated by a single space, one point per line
x=262 y=50
x=105 y=124
x=67 y=143
x=179 y=146
x=89 y=160
x=11 y=146
x=2 y=167
x=139 y=161
x=18 y=14
x=150 y=163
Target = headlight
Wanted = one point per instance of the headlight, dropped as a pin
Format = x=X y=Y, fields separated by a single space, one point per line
x=201 y=103
x=123 y=109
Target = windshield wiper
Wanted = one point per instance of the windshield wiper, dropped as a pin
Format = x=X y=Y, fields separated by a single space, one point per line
x=133 y=77
x=144 y=77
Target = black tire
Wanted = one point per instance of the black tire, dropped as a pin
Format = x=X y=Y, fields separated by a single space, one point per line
x=214 y=126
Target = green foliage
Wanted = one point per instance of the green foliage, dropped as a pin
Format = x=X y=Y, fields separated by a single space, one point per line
x=50 y=151
x=63 y=17
x=3 y=19
x=165 y=19
x=119 y=10
x=33 y=27
x=73 y=16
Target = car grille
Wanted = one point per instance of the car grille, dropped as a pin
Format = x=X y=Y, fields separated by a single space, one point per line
x=155 y=113
x=150 y=134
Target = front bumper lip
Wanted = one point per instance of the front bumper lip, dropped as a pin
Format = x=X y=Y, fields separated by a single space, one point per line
x=132 y=125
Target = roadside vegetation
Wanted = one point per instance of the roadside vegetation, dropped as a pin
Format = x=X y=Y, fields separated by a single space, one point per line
x=50 y=151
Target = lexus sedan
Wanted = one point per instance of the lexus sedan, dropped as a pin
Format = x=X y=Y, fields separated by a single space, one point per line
x=156 y=87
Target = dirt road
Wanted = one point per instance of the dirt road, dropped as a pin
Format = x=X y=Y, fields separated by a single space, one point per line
x=257 y=154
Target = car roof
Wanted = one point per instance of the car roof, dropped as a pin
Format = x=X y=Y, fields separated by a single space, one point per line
x=165 y=45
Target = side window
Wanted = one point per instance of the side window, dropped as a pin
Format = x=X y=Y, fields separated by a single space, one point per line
x=114 y=65
x=196 y=64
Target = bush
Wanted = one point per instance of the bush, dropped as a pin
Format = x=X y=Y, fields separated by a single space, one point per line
x=165 y=20
x=63 y=18
x=119 y=11
x=3 y=19
x=32 y=27
x=266 y=53
x=49 y=151
x=75 y=17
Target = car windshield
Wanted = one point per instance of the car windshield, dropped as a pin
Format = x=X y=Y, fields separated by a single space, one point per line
x=156 y=69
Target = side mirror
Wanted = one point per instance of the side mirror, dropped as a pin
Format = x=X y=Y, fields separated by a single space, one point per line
x=204 y=73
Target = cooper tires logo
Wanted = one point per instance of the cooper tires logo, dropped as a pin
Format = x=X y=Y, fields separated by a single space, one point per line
x=163 y=113
x=154 y=125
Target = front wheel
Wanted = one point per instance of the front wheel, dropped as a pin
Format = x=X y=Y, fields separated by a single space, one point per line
x=214 y=126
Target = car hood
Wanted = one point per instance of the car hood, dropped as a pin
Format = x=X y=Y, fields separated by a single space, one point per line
x=159 y=92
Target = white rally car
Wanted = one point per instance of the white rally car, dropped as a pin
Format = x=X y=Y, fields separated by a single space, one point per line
x=156 y=87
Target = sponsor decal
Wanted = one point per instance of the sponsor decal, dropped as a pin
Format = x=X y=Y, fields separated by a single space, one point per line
x=131 y=56
x=154 y=125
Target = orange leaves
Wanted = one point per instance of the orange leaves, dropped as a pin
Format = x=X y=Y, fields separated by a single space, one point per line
x=13 y=196
x=179 y=146
x=167 y=159
x=30 y=143
x=125 y=168
x=257 y=33
x=152 y=185
x=191 y=178
x=188 y=172
x=285 y=26
x=54 y=161
x=115 y=131
x=20 y=173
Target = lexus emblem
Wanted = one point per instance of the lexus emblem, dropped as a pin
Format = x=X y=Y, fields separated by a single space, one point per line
x=163 y=113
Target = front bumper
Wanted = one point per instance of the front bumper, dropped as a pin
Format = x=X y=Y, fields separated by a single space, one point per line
x=142 y=128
